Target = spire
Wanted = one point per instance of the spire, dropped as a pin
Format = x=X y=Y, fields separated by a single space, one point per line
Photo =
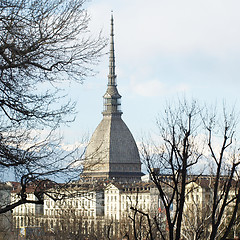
x=112 y=99
x=112 y=76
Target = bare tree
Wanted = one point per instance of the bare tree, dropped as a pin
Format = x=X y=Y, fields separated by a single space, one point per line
x=225 y=170
x=197 y=210
x=42 y=44
x=176 y=157
x=191 y=135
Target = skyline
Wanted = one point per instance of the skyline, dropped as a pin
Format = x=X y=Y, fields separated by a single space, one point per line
x=163 y=51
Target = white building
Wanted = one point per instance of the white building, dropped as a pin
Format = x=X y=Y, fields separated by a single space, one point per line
x=25 y=214
x=119 y=198
x=86 y=200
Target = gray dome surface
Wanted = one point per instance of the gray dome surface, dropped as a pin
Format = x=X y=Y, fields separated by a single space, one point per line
x=112 y=151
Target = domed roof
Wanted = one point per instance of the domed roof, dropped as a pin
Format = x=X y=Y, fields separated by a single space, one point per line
x=112 y=151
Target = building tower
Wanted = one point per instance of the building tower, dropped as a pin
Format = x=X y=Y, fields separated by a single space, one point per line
x=112 y=152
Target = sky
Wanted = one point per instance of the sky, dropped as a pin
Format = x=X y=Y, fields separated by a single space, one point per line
x=164 y=50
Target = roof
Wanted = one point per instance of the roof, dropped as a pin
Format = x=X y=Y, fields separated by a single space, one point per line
x=113 y=146
x=33 y=186
x=5 y=186
x=132 y=187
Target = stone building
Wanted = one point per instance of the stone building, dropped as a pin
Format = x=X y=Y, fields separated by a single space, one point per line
x=25 y=214
x=83 y=200
x=85 y=206
x=112 y=152
x=5 y=218
x=120 y=197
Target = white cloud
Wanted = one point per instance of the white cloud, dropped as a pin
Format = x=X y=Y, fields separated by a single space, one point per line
x=155 y=87
x=183 y=87
x=148 y=88
x=165 y=37
x=163 y=48
x=171 y=26
x=73 y=146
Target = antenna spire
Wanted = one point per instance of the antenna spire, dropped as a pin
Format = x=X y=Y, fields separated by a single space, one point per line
x=112 y=76
x=112 y=99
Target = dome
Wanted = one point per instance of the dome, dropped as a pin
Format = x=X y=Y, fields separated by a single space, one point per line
x=112 y=151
